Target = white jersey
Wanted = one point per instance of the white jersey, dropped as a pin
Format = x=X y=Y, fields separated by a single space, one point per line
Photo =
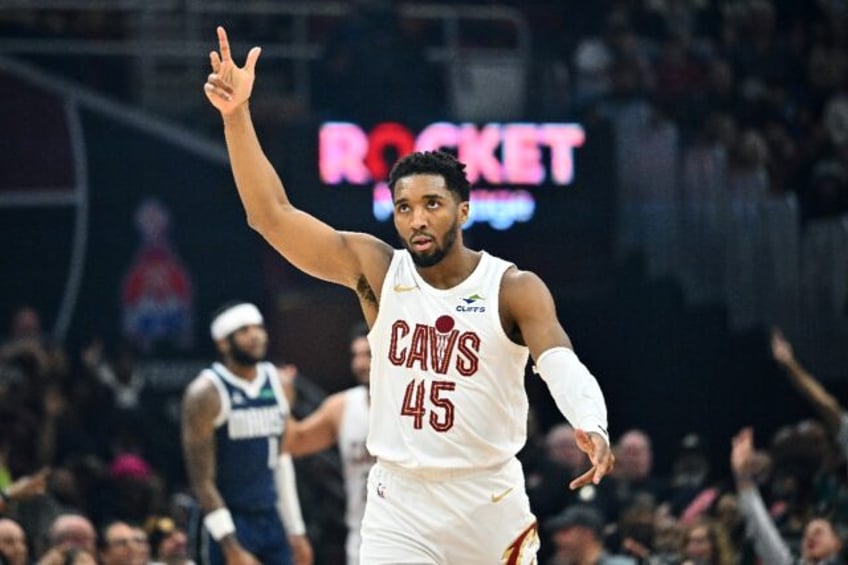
x=448 y=381
x=356 y=461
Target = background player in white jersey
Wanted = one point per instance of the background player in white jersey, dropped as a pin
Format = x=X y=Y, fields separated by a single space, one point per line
x=451 y=331
x=234 y=419
x=343 y=419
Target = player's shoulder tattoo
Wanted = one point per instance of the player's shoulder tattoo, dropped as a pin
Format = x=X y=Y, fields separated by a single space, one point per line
x=364 y=290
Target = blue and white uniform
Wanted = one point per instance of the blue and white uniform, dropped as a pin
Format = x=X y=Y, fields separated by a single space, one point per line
x=249 y=429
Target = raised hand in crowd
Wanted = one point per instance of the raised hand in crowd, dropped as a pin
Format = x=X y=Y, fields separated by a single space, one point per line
x=25 y=487
x=826 y=404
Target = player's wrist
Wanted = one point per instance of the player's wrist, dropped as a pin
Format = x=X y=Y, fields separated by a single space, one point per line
x=230 y=544
x=219 y=523
x=236 y=114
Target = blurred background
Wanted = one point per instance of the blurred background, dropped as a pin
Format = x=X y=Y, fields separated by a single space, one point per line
x=676 y=171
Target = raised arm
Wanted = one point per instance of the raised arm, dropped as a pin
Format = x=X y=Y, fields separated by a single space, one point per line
x=201 y=404
x=825 y=403
x=768 y=543
x=308 y=243
x=528 y=314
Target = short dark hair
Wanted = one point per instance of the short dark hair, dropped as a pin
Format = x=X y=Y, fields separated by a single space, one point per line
x=584 y=515
x=433 y=163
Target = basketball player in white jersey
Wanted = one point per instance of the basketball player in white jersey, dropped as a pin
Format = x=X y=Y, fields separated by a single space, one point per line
x=451 y=331
x=343 y=419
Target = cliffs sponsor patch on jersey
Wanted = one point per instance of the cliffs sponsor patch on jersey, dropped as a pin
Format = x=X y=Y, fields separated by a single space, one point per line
x=472 y=303
x=438 y=347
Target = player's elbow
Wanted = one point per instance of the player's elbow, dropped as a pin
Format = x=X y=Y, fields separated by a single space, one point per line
x=267 y=219
x=258 y=221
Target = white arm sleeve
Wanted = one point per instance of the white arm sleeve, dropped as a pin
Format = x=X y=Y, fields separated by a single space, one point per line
x=288 y=503
x=575 y=391
x=768 y=544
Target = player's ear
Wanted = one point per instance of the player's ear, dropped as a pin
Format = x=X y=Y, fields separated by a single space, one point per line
x=464 y=211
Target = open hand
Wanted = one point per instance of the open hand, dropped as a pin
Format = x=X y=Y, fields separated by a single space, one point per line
x=742 y=453
x=596 y=447
x=228 y=86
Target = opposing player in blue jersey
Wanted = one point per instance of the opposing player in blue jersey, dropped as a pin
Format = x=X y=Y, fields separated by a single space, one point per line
x=234 y=418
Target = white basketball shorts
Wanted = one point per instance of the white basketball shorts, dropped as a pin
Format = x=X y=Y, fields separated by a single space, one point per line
x=443 y=518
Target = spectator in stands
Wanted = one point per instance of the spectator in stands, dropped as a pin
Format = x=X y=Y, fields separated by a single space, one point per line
x=122 y=544
x=578 y=536
x=13 y=543
x=689 y=473
x=136 y=488
x=168 y=542
x=821 y=543
x=634 y=531
x=562 y=459
x=705 y=542
x=72 y=534
x=28 y=371
x=633 y=473
x=667 y=543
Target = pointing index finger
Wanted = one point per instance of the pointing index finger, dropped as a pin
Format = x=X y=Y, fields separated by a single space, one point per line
x=224 y=44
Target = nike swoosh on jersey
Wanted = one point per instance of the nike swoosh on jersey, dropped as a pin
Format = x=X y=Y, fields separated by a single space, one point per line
x=403 y=288
x=498 y=497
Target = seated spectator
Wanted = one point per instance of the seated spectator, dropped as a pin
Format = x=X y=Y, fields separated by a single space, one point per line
x=634 y=531
x=13 y=543
x=668 y=540
x=73 y=531
x=72 y=540
x=689 y=491
x=168 y=542
x=123 y=544
x=562 y=462
x=137 y=490
x=706 y=543
x=578 y=534
x=633 y=473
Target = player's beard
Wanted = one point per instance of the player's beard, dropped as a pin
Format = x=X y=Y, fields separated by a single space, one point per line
x=438 y=253
x=241 y=356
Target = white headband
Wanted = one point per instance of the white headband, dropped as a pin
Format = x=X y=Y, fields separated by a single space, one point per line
x=231 y=319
